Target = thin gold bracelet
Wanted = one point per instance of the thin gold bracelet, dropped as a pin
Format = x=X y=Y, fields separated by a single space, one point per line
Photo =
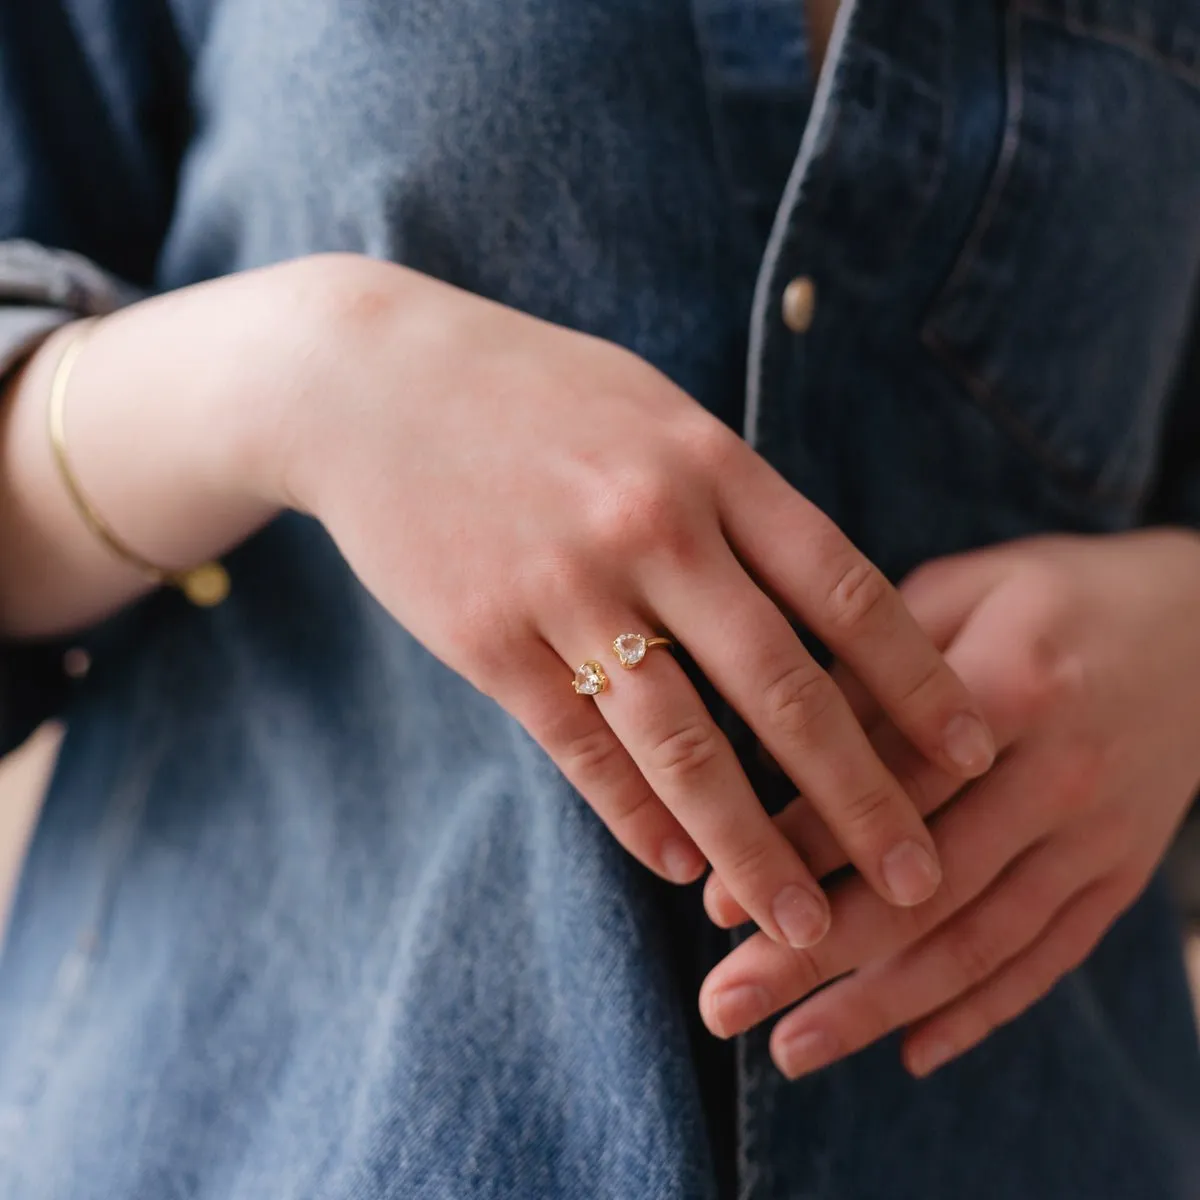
x=205 y=585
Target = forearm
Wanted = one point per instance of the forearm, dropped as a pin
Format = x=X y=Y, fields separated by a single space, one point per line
x=170 y=417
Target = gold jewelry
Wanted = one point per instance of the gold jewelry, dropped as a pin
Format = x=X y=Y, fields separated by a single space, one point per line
x=590 y=679
x=630 y=648
x=205 y=585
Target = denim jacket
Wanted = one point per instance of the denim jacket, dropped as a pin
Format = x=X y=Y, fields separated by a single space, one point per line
x=304 y=915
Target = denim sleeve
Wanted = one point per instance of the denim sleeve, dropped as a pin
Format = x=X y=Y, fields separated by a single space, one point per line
x=41 y=289
x=94 y=120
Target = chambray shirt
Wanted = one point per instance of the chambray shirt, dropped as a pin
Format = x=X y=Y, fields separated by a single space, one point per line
x=305 y=916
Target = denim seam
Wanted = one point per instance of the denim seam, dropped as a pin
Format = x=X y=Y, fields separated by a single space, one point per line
x=712 y=89
x=783 y=231
x=986 y=400
x=1112 y=37
x=982 y=394
x=751 y=1166
x=1001 y=174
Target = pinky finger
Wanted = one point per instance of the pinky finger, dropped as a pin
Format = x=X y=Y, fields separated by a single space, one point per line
x=1019 y=985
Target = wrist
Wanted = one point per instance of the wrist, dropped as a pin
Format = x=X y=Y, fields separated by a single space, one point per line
x=347 y=318
x=159 y=440
x=166 y=424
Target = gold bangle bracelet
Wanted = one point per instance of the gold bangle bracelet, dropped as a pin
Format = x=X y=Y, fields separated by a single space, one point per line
x=205 y=585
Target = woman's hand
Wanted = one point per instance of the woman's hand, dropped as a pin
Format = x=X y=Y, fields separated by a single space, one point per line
x=517 y=495
x=1085 y=654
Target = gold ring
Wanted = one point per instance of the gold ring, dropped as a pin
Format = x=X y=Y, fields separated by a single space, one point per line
x=630 y=648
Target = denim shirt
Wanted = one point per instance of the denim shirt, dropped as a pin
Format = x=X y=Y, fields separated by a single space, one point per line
x=305 y=916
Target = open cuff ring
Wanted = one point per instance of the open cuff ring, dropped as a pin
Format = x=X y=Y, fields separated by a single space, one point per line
x=630 y=649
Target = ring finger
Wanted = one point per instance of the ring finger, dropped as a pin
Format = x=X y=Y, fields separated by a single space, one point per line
x=589 y=754
x=687 y=762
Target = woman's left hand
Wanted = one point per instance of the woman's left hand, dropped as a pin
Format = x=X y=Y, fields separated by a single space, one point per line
x=1085 y=656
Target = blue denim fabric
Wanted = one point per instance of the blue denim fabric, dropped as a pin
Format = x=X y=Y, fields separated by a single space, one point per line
x=307 y=917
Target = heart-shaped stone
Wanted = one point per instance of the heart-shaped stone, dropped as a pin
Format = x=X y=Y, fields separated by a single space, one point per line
x=630 y=648
x=590 y=679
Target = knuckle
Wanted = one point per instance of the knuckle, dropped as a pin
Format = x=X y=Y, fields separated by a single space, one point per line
x=933 y=676
x=640 y=516
x=749 y=862
x=712 y=446
x=630 y=808
x=868 y=809
x=859 y=595
x=798 y=699
x=589 y=754
x=560 y=580
x=686 y=751
x=973 y=957
x=1050 y=676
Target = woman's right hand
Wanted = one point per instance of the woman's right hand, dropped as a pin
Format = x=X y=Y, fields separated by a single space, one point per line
x=517 y=495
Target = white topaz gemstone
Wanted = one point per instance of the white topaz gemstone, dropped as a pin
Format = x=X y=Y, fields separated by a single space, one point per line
x=630 y=648
x=589 y=680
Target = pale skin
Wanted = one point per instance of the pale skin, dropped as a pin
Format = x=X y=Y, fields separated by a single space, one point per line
x=1085 y=653
x=473 y=464
x=409 y=417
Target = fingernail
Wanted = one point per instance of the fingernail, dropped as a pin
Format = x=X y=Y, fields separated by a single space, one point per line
x=680 y=861
x=928 y=1057
x=802 y=918
x=738 y=1008
x=807 y=1052
x=969 y=744
x=911 y=873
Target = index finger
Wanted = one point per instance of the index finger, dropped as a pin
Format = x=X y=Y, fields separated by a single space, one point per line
x=802 y=557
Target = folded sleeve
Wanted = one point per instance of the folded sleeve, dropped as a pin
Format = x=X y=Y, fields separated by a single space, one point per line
x=94 y=120
x=40 y=289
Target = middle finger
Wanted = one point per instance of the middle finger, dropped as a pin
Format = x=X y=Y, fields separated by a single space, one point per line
x=744 y=644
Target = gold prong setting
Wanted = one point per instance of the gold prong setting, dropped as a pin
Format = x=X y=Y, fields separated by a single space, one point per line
x=590 y=679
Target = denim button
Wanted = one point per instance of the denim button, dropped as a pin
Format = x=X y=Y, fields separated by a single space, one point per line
x=799 y=304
